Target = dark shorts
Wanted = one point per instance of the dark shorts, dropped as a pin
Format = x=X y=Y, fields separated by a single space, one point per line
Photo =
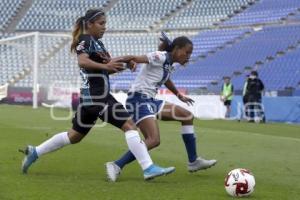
x=227 y=102
x=110 y=111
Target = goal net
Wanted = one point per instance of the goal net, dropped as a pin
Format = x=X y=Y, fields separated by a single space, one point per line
x=41 y=64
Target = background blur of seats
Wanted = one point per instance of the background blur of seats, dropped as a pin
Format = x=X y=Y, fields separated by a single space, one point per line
x=231 y=38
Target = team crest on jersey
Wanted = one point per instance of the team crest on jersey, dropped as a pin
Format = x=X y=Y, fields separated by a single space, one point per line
x=80 y=46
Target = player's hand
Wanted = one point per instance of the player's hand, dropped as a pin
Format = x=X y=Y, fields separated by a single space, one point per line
x=185 y=99
x=106 y=60
x=114 y=66
x=132 y=65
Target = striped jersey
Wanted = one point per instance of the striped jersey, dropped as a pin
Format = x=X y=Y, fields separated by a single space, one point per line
x=154 y=74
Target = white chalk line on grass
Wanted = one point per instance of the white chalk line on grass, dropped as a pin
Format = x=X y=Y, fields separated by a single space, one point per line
x=253 y=134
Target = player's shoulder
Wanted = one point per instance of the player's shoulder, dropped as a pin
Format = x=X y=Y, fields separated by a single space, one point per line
x=161 y=53
x=157 y=55
x=83 y=44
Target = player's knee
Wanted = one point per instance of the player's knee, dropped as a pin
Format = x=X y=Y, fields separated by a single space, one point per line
x=156 y=142
x=129 y=125
x=153 y=142
x=188 y=117
x=75 y=138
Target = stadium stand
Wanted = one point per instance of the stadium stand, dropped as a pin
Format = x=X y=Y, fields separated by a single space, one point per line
x=203 y=14
x=260 y=45
x=266 y=11
x=8 y=10
x=209 y=41
x=229 y=42
x=134 y=43
x=278 y=74
x=295 y=17
x=139 y=14
x=59 y=14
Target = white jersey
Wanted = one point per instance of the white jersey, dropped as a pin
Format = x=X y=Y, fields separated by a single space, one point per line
x=154 y=74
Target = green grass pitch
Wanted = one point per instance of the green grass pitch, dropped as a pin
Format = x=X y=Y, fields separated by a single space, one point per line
x=270 y=151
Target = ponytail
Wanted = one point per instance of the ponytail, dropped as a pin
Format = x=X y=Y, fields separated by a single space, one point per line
x=166 y=42
x=165 y=46
x=77 y=31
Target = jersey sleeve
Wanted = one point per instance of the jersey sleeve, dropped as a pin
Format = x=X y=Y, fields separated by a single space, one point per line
x=156 y=58
x=83 y=45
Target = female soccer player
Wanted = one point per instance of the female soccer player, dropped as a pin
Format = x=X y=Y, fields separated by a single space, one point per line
x=144 y=108
x=95 y=100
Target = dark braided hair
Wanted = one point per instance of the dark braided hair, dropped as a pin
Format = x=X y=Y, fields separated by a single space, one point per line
x=179 y=42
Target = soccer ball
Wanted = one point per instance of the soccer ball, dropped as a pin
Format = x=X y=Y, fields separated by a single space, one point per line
x=239 y=182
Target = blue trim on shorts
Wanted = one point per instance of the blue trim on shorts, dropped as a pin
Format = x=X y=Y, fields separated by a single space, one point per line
x=139 y=106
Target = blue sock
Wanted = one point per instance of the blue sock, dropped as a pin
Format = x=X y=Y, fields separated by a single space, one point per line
x=128 y=157
x=190 y=145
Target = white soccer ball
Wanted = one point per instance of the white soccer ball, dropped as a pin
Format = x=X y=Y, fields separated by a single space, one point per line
x=239 y=182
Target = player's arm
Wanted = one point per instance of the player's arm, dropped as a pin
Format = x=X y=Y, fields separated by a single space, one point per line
x=136 y=59
x=171 y=86
x=156 y=59
x=83 y=56
x=85 y=62
x=132 y=61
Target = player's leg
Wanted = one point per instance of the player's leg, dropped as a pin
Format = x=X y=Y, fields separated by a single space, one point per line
x=137 y=150
x=142 y=114
x=149 y=129
x=54 y=143
x=251 y=111
x=139 y=109
x=140 y=152
x=227 y=105
x=228 y=108
x=172 y=112
x=82 y=123
x=261 y=111
x=136 y=145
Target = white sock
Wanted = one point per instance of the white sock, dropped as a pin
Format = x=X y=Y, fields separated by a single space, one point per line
x=138 y=148
x=187 y=129
x=56 y=142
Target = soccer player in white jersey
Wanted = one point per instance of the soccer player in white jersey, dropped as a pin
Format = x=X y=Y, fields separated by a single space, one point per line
x=144 y=108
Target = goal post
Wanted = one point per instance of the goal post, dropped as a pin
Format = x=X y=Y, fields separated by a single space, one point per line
x=35 y=71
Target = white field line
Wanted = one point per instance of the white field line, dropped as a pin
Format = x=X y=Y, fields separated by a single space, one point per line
x=252 y=134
